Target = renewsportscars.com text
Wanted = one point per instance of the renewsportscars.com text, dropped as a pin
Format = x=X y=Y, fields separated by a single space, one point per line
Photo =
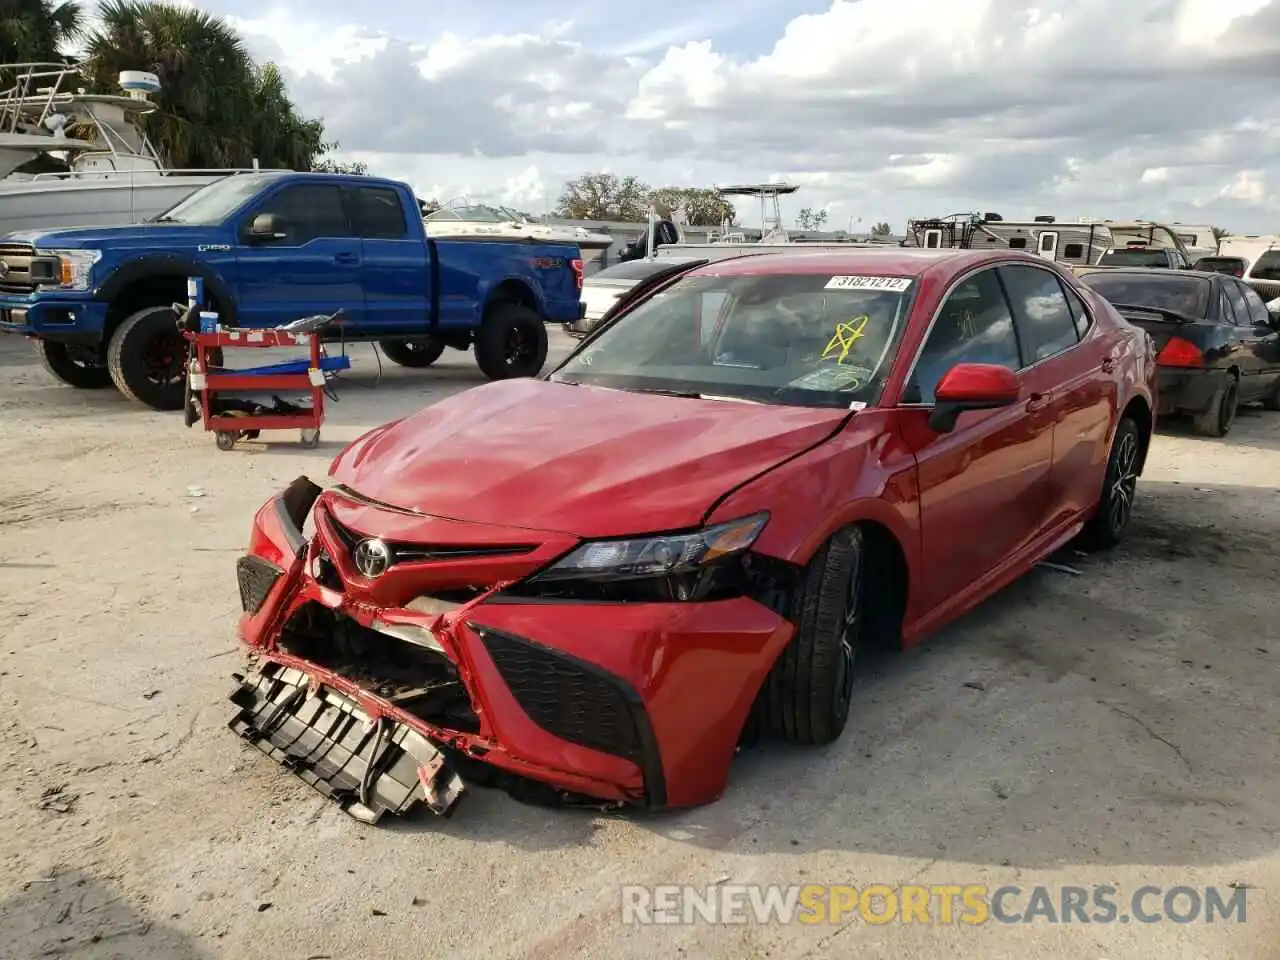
x=942 y=904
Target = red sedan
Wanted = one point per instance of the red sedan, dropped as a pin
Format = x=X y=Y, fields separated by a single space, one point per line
x=587 y=586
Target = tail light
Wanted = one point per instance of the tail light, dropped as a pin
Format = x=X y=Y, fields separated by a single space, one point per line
x=1180 y=353
x=578 y=268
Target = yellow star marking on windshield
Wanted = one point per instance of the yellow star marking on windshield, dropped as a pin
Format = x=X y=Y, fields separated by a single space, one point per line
x=846 y=335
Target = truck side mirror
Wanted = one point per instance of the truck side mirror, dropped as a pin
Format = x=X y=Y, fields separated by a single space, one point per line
x=264 y=227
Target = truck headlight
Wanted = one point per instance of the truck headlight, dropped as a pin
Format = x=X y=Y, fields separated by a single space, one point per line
x=71 y=269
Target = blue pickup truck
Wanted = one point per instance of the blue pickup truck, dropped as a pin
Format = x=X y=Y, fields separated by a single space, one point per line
x=272 y=247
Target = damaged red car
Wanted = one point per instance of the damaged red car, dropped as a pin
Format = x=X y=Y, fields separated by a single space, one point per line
x=589 y=586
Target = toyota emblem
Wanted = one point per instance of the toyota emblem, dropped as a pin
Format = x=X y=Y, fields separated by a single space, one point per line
x=372 y=558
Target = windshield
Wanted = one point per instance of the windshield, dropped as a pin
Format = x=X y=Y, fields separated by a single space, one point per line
x=212 y=204
x=1189 y=295
x=1135 y=258
x=800 y=340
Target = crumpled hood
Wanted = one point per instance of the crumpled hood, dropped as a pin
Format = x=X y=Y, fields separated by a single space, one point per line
x=575 y=459
x=127 y=235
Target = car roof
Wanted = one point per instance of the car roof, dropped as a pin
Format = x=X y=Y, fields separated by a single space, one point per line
x=862 y=261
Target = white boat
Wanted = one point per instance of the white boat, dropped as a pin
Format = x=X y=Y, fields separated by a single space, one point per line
x=110 y=174
x=460 y=219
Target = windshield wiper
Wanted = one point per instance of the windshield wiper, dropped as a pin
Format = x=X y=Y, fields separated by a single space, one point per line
x=163 y=220
x=690 y=395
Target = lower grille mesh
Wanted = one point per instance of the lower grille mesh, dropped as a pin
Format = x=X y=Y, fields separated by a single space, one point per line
x=255 y=577
x=565 y=697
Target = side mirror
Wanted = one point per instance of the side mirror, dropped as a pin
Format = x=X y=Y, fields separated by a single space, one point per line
x=264 y=227
x=971 y=386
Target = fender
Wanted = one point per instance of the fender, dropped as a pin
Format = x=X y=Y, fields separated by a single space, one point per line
x=168 y=265
x=528 y=281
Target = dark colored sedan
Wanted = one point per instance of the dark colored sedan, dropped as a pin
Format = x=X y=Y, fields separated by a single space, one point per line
x=1219 y=343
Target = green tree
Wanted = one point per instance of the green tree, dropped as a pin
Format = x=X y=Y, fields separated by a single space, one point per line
x=328 y=164
x=810 y=219
x=216 y=108
x=881 y=229
x=702 y=207
x=604 y=196
x=38 y=30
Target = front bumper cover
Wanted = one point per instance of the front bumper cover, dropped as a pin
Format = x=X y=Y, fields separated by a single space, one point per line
x=607 y=704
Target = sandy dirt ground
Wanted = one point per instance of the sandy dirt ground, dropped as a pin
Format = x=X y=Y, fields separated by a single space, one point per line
x=1118 y=725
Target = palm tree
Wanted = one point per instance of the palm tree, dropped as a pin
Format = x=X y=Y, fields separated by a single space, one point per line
x=216 y=108
x=36 y=30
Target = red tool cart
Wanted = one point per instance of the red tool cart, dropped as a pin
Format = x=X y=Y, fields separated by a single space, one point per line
x=205 y=381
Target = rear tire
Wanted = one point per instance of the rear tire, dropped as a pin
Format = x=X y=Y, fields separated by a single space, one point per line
x=147 y=359
x=65 y=364
x=1106 y=527
x=805 y=699
x=511 y=342
x=416 y=354
x=1218 y=419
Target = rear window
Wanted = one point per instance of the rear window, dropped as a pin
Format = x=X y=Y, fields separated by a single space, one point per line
x=1189 y=295
x=1267 y=267
x=1135 y=258
x=1233 y=266
x=634 y=269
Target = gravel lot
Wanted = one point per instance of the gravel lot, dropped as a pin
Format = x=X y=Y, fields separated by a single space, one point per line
x=1117 y=726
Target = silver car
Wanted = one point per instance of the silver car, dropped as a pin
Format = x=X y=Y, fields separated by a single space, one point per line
x=601 y=290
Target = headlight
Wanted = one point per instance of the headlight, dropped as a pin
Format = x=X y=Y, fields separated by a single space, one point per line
x=72 y=269
x=664 y=556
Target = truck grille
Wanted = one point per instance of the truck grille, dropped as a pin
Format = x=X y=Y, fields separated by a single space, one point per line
x=570 y=699
x=21 y=270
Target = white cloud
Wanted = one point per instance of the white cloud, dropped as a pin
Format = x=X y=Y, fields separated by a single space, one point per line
x=879 y=108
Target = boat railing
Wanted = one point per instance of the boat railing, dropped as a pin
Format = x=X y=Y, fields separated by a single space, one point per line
x=147 y=174
x=32 y=92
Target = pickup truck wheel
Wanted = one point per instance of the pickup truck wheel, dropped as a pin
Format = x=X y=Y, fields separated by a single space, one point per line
x=74 y=367
x=422 y=352
x=147 y=357
x=511 y=342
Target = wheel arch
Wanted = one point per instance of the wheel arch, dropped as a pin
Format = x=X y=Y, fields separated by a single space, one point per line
x=158 y=281
x=1139 y=411
x=513 y=290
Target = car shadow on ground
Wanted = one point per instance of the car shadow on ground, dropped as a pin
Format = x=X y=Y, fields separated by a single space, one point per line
x=74 y=914
x=1068 y=720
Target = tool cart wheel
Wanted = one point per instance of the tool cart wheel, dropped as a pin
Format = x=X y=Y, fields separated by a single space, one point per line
x=310 y=437
x=225 y=439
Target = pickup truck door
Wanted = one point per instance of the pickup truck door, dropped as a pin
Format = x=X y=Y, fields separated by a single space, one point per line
x=1262 y=341
x=396 y=276
x=315 y=267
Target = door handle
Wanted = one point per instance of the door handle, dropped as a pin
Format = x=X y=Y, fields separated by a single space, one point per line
x=1108 y=364
x=346 y=258
x=1037 y=401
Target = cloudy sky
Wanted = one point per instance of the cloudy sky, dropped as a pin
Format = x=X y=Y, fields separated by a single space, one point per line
x=880 y=109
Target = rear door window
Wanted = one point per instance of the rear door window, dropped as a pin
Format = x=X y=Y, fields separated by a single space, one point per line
x=379 y=214
x=1267 y=267
x=1238 y=305
x=1258 y=314
x=1046 y=326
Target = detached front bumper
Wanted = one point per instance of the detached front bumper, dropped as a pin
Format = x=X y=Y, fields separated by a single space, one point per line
x=610 y=703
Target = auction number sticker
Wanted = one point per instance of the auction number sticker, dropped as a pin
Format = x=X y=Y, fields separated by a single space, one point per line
x=890 y=284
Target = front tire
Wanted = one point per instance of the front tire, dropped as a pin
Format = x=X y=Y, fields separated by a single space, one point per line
x=416 y=354
x=511 y=342
x=805 y=699
x=1221 y=415
x=147 y=359
x=1107 y=526
x=73 y=368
